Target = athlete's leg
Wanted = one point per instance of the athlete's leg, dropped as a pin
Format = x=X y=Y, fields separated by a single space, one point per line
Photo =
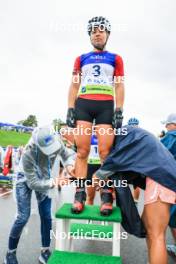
x=105 y=135
x=136 y=193
x=91 y=190
x=156 y=219
x=90 y=195
x=82 y=140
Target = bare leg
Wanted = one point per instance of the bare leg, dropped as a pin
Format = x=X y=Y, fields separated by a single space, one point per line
x=83 y=147
x=136 y=193
x=156 y=219
x=83 y=140
x=90 y=195
x=105 y=140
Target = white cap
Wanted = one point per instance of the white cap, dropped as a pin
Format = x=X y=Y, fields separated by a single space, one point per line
x=46 y=139
x=171 y=119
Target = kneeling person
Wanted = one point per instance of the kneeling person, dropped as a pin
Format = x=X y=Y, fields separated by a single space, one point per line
x=34 y=173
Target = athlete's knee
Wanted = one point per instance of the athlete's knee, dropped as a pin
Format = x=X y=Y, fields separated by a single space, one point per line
x=103 y=152
x=156 y=238
x=82 y=152
x=155 y=233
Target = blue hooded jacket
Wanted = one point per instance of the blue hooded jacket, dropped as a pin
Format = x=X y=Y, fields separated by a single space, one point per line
x=142 y=153
x=169 y=141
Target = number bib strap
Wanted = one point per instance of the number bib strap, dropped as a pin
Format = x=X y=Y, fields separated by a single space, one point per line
x=94 y=161
x=96 y=89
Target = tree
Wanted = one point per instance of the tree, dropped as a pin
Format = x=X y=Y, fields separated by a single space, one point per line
x=57 y=123
x=20 y=122
x=31 y=121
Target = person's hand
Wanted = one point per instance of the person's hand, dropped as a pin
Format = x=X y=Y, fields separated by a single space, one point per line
x=69 y=144
x=117 y=118
x=71 y=170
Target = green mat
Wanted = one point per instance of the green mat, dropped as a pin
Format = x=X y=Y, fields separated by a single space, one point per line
x=63 y=257
x=91 y=230
x=91 y=212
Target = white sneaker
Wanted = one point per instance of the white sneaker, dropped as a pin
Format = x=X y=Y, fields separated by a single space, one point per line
x=43 y=258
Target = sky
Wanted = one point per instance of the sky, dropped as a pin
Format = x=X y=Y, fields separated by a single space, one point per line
x=40 y=39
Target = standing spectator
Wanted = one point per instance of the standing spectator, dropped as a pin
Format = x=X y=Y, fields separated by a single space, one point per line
x=134 y=122
x=169 y=140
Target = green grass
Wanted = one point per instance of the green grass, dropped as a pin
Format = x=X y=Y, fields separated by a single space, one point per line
x=13 y=138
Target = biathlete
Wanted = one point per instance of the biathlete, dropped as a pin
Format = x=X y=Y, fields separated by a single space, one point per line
x=96 y=94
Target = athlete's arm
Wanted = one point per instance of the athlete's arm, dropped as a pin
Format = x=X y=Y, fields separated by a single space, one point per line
x=75 y=84
x=73 y=92
x=119 y=95
x=119 y=83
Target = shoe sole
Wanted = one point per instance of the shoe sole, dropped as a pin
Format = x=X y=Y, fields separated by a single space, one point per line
x=41 y=261
x=75 y=211
x=4 y=261
x=106 y=213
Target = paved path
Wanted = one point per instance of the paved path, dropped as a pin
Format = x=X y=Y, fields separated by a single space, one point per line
x=133 y=250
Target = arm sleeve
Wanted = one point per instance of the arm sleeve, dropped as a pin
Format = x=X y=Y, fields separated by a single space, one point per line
x=119 y=69
x=77 y=66
x=31 y=175
x=103 y=174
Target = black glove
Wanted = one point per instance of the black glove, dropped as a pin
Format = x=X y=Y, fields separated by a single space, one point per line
x=71 y=117
x=117 y=118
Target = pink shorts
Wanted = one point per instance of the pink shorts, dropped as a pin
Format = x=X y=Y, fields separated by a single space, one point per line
x=155 y=191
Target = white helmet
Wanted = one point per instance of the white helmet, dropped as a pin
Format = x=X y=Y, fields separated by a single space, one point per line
x=101 y=22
